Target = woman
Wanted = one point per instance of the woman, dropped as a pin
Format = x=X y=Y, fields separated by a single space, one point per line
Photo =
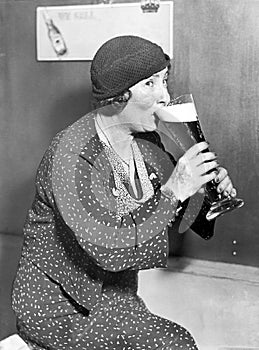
x=106 y=191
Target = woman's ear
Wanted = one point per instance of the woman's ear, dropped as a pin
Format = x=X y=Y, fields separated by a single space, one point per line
x=119 y=103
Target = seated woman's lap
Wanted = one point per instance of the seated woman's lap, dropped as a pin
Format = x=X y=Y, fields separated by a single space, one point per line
x=140 y=329
x=119 y=321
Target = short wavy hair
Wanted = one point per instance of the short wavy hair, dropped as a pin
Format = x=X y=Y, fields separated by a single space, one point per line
x=113 y=105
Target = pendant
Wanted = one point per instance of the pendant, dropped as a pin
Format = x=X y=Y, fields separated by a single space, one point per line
x=152 y=176
x=115 y=192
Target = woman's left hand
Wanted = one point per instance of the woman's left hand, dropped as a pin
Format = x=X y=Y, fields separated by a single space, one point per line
x=225 y=185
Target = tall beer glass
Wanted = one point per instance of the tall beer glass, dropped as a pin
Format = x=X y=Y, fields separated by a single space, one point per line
x=182 y=125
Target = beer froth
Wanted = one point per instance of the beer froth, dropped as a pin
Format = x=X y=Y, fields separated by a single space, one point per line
x=182 y=112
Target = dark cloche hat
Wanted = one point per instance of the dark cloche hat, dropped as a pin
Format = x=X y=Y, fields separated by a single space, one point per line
x=122 y=62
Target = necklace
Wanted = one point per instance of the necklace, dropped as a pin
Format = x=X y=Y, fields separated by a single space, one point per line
x=108 y=141
x=125 y=203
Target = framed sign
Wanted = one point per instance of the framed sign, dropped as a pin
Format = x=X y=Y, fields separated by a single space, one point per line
x=76 y=32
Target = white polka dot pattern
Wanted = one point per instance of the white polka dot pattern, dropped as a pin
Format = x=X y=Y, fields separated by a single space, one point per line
x=76 y=287
x=50 y=319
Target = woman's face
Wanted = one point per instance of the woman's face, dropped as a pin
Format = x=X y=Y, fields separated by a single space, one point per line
x=147 y=96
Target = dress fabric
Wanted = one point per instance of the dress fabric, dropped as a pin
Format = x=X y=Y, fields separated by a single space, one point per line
x=120 y=320
x=76 y=284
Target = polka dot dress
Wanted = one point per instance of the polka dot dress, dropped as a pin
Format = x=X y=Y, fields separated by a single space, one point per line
x=76 y=285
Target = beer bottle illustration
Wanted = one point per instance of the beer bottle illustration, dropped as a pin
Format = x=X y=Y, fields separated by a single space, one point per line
x=55 y=36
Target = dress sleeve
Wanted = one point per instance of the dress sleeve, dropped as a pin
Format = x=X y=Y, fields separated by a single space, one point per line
x=83 y=195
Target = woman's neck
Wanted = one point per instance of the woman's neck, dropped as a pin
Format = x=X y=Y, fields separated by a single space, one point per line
x=116 y=134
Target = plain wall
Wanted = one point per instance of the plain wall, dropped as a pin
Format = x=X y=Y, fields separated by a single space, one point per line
x=216 y=54
x=217 y=59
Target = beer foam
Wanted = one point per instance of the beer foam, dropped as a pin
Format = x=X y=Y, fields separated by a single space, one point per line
x=184 y=112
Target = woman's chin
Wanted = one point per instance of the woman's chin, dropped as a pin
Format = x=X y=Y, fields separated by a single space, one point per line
x=150 y=128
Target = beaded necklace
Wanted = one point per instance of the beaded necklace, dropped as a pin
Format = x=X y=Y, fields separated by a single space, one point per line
x=125 y=202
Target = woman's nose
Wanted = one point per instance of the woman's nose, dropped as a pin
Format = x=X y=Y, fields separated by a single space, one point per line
x=164 y=97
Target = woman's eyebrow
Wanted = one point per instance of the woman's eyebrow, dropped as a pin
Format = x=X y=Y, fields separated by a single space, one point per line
x=156 y=75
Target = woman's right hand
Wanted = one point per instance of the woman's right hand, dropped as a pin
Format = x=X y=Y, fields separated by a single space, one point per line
x=191 y=171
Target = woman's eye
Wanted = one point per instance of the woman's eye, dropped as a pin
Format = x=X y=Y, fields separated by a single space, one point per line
x=150 y=83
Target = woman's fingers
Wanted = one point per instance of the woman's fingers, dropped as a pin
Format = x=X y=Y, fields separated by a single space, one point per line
x=196 y=168
x=207 y=167
x=196 y=149
x=228 y=190
x=208 y=177
x=222 y=173
x=205 y=157
x=225 y=186
x=233 y=193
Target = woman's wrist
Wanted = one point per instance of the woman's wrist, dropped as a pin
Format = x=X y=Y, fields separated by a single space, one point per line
x=169 y=193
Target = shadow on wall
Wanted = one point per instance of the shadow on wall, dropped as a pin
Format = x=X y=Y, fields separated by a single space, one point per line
x=68 y=108
x=10 y=250
x=27 y=152
x=18 y=198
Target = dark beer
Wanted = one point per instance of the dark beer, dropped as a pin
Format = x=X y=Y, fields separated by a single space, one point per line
x=179 y=122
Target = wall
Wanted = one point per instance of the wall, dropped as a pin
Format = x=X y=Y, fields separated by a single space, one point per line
x=39 y=99
x=216 y=58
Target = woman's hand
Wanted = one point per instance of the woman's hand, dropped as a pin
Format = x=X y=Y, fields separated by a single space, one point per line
x=191 y=172
x=225 y=185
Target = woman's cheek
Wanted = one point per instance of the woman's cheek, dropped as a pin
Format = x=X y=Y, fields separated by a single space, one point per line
x=143 y=99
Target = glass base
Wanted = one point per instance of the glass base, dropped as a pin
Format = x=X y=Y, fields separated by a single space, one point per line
x=223 y=206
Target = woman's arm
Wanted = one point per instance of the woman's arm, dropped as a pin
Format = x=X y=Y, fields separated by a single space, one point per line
x=76 y=185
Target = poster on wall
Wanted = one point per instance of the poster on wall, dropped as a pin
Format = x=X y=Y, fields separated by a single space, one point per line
x=74 y=33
